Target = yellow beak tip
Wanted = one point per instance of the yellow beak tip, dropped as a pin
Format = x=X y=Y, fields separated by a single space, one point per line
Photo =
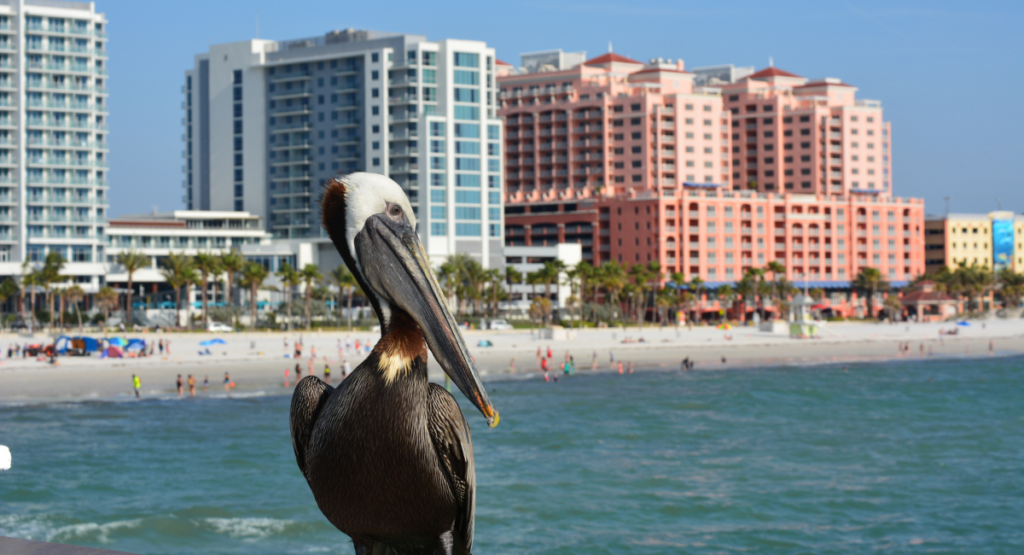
x=494 y=421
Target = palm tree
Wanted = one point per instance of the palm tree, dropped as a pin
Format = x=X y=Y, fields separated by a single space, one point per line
x=177 y=271
x=74 y=295
x=8 y=288
x=346 y=283
x=727 y=295
x=289 y=279
x=132 y=262
x=550 y=273
x=253 y=275
x=1012 y=287
x=870 y=280
x=25 y=286
x=613 y=281
x=231 y=263
x=106 y=300
x=640 y=276
x=746 y=288
x=206 y=264
x=47 y=276
x=494 y=277
x=778 y=272
x=697 y=286
x=310 y=274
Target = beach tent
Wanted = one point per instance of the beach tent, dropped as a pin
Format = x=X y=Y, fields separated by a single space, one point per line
x=78 y=346
x=113 y=352
x=725 y=327
x=963 y=323
x=117 y=342
x=209 y=342
x=136 y=344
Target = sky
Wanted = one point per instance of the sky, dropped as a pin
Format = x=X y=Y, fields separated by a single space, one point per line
x=950 y=75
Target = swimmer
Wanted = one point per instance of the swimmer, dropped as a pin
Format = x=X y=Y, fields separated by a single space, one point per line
x=136 y=384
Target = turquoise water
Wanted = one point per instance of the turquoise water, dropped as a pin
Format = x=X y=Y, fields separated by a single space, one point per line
x=894 y=458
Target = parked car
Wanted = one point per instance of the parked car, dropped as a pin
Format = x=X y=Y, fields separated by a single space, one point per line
x=218 y=327
x=499 y=324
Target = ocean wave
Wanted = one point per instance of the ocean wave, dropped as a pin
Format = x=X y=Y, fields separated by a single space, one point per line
x=248 y=528
x=43 y=528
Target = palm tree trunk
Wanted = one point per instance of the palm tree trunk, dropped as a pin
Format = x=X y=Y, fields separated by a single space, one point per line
x=128 y=309
x=349 y=293
x=309 y=297
x=202 y=294
x=253 y=290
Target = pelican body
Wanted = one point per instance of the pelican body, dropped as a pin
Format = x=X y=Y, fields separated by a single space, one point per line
x=387 y=454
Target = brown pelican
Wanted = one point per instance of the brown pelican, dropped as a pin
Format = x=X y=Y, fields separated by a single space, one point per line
x=387 y=454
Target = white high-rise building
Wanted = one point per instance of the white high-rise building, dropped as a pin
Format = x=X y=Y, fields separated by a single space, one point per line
x=53 y=136
x=267 y=122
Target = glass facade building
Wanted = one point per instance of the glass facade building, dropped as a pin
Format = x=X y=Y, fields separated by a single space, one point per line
x=268 y=122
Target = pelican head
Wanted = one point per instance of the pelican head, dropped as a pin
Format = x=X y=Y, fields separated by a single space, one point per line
x=371 y=223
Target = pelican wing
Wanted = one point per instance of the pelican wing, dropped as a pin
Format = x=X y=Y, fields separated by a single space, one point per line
x=309 y=398
x=450 y=433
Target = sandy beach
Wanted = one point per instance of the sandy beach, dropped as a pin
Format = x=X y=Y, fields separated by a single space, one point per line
x=257 y=361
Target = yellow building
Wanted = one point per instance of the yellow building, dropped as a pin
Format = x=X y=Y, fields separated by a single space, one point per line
x=994 y=240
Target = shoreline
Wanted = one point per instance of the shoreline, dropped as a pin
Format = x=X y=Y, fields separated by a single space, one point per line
x=85 y=379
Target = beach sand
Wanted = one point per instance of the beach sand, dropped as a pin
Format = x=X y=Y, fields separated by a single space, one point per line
x=257 y=361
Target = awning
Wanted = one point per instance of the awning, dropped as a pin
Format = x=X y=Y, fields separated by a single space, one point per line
x=701 y=185
x=867 y=191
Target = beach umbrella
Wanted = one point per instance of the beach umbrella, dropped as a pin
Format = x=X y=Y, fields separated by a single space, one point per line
x=113 y=352
x=117 y=342
x=725 y=327
x=963 y=323
x=209 y=342
x=135 y=344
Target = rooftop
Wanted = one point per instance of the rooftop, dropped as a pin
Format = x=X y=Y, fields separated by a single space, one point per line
x=773 y=72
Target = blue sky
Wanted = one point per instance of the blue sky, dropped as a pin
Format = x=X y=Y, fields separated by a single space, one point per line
x=949 y=74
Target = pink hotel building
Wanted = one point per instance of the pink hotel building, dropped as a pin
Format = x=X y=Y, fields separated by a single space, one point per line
x=637 y=163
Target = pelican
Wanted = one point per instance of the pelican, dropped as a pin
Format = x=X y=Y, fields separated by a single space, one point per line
x=387 y=454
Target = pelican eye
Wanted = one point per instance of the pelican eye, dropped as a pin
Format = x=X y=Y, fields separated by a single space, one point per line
x=394 y=210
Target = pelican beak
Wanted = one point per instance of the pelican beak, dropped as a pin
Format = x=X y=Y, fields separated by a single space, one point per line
x=396 y=267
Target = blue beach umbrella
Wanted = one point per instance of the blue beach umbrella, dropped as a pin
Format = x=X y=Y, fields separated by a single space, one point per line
x=962 y=323
x=118 y=342
x=209 y=342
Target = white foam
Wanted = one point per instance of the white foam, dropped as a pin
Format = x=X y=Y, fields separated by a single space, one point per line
x=91 y=530
x=5 y=458
x=252 y=527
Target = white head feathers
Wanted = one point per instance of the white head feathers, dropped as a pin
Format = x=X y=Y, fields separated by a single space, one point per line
x=367 y=194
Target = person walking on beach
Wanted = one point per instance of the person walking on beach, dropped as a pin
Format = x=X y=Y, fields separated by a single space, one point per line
x=227 y=382
x=593 y=361
x=620 y=367
x=549 y=351
x=206 y=382
x=611 y=359
x=160 y=344
x=191 y=385
x=312 y=351
x=572 y=365
x=298 y=372
x=544 y=365
x=136 y=384
x=922 y=349
x=631 y=367
x=310 y=364
x=539 y=354
x=512 y=366
x=287 y=373
x=167 y=346
x=327 y=371
x=991 y=348
x=345 y=369
x=179 y=386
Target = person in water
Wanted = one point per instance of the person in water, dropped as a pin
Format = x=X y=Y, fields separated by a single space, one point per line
x=179 y=386
x=206 y=382
x=191 y=385
x=327 y=371
x=136 y=384
x=227 y=382
x=298 y=372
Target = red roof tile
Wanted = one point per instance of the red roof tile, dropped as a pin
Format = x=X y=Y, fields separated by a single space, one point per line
x=501 y=63
x=608 y=58
x=772 y=72
x=823 y=84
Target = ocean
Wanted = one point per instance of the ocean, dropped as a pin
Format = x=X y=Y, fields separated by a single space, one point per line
x=903 y=457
